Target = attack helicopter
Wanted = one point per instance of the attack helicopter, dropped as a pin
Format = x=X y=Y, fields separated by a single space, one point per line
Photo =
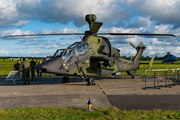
x=93 y=56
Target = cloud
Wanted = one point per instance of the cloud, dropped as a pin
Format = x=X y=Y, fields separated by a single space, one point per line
x=164 y=42
x=19 y=12
x=140 y=22
x=15 y=32
x=163 y=28
x=50 y=46
x=35 y=52
x=164 y=11
x=65 y=30
x=4 y=52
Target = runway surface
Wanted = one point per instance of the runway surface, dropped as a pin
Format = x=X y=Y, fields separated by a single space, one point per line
x=124 y=93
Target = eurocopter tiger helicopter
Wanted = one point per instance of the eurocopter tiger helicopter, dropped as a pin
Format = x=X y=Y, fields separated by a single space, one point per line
x=93 y=56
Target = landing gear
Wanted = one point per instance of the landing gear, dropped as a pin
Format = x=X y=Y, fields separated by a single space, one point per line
x=91 y=81
x=66 y=79
x=132 y=76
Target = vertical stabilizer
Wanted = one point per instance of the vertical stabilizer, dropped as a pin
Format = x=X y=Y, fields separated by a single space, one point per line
x=140 y=49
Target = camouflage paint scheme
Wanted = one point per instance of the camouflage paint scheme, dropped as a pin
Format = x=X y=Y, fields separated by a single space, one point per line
x=99 y=59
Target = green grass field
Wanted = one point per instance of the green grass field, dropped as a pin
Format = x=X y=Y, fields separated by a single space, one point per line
x=101 y=113
x=7 y=66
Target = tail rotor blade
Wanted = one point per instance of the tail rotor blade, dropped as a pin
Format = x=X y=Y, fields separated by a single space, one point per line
x=132 y=45
x=140 y=43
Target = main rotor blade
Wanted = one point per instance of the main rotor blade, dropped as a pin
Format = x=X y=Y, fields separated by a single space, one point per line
x=44 y=34
x=146 y=34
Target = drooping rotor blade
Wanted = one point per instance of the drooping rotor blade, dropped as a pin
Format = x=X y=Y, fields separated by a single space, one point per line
x=140 y=43
x=136 y=34
x=132 y=45
x=44 y=34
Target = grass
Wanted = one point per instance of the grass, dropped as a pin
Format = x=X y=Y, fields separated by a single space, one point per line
x=101 y=113
x=7 y=66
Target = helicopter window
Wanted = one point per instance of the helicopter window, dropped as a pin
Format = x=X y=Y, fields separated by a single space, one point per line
x=81 y=49
x=68 y=55
x=58 y=53
x=74 y=45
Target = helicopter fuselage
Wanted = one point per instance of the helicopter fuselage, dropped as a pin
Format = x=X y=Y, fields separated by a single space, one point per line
x=94 y=55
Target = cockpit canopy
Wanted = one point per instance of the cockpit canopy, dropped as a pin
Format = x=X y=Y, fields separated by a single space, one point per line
x=75 y=49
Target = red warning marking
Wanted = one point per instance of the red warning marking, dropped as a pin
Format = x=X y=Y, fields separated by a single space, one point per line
x=160 y=78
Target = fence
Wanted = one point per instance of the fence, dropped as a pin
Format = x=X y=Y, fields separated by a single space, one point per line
x=158 y=76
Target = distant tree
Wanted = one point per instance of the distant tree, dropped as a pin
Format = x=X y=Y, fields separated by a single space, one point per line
x=124 y=57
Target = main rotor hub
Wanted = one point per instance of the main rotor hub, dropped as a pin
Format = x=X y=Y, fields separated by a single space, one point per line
x=90 y=18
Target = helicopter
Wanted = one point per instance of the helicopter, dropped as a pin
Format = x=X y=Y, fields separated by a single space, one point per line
x=93 y=56
x=168 y=58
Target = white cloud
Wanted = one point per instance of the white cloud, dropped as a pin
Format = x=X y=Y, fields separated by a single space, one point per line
x=163 y=28
x=65 y=30
x=15 y=32
x=51 y=46
x=166 y=11
x=142 y=21
x=155 y=41
x=4 y=52
x=14 y=11
x=35 y=52
x=21 y=23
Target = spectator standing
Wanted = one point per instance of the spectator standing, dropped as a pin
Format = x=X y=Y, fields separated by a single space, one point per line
x=32 y=65
x=39 y=74
x=26 y=70
x=16 y=68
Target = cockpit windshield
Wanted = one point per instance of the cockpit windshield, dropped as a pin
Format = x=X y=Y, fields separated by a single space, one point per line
x=74 y=45
x=81 y=48
x=68 y=54
x=58 y=53
x=76 y=49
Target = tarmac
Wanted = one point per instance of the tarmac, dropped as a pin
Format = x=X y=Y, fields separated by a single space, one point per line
x=124 y=93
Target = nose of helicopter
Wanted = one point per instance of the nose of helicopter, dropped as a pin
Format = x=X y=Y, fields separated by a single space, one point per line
x=51 y=66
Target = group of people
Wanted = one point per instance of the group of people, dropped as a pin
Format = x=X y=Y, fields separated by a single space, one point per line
x=25 y=67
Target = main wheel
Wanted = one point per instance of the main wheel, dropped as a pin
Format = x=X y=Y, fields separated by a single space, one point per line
x=65 y=79
x=91 y=81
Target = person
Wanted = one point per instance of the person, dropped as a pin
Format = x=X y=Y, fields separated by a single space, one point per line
x=39 y=74
x=16 y=68
x=32 y=65
x=26 y=70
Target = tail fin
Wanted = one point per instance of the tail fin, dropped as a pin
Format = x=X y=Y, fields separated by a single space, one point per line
x=151 y=62
x=140 y=49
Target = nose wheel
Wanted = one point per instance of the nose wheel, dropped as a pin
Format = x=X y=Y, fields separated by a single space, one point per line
x=90 y=81
x=66 y=79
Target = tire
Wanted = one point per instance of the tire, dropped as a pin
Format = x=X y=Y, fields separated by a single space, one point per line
x=65 y=79
x=91 y=81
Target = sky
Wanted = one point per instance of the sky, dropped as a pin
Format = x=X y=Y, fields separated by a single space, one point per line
x=23 y=17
